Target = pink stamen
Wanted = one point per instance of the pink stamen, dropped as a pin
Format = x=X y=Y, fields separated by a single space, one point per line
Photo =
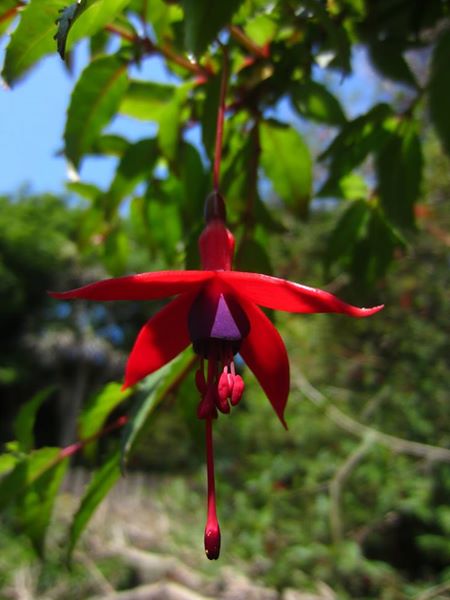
x=212 y=529
x=238 y=390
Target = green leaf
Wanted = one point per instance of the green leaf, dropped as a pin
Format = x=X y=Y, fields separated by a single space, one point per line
x=261 y=30
x=99 y=406
x=357 y=139
x=102 y=481
x=399 y=165
x=204 y=19
x=350 y=228
x=313 y=101
x=162 y=16
x=194 y=182
x=26 y=472
x=350 y=187
x=208 y=116
x=169 y=132
x=439 y=89
x=137 y=164
x=388 y=59
x=94 y=16
x=32 y=39
x=253 y=257
x=24 y=423
x=7 y=462
x=155 y=389
x=146 y=100
x=286 y=160
x=109 y=144
x=95 y=100
x=85 y=190
x=35 y=505
x=116 y=250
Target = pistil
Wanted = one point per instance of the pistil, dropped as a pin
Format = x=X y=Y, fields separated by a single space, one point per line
x=212 y=529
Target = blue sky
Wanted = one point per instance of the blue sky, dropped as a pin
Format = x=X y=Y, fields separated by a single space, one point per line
x=32 y=118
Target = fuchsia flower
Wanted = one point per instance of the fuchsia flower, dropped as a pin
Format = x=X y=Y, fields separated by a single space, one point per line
x=217 y=310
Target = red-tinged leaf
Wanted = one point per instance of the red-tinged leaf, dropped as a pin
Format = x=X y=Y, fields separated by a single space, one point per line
x=95 y=99
x=8 y=10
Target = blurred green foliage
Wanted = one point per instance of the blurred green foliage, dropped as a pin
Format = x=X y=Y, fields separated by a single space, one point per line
x=334 y=499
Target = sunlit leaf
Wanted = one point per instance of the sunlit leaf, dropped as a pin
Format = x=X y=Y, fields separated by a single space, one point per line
x=169 y=132
x=26 y=472
x=286 y=160
x=109 y=144
x=261 y=29
x=94 y=16
x=146 y=100
x=32 y=39
x=95 y=99
x=99 y=406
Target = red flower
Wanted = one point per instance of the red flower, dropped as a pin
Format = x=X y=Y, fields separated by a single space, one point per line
x=217 y=310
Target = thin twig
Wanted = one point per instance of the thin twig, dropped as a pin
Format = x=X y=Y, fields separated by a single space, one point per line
x=238 y=34
x=396 y=444
x=434 y=591
x=337 y=483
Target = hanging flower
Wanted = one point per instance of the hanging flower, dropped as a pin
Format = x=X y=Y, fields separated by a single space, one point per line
x=217 y=311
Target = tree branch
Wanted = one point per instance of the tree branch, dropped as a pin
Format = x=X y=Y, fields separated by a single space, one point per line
x=396 y=444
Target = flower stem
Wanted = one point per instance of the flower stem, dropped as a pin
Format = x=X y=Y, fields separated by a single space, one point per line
x=220 y=119
x=77 y=446
x=212 y=530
